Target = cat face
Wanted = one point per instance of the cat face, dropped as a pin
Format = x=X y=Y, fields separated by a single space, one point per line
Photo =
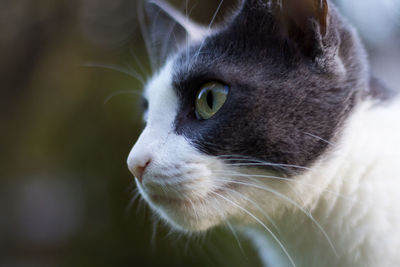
x=291 y=76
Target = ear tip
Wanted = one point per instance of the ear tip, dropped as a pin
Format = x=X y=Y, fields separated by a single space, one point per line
x=325 y=14
x=154 y=2
x=159 y=3
x=325 y=5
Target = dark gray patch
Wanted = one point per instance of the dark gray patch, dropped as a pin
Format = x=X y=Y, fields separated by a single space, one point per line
x=285 y=104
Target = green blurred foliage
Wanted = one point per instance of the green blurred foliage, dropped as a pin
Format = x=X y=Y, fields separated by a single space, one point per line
x=65 y=194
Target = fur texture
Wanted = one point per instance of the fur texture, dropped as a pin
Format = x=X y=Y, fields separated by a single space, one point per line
x=303 y=154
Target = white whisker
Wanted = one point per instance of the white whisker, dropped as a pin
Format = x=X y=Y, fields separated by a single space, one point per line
x=230 y=227
x=139 y=63
x=130 y=73
x=122 y=92
x=257 y=161
x=136 y=195
x=319 y=138
x=262 y=224
x=209 y=28
x=292 y=180
x=269 y=164
x=284 y=197
x=252 y=202
x=146 y=37
x=164 y=49
x=154 y=233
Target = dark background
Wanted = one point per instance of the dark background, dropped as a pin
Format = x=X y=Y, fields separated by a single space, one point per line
x=66 y=131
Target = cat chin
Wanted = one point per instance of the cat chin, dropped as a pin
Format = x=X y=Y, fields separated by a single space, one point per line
x=185 y=217
x=188 y=216
x=189 y=223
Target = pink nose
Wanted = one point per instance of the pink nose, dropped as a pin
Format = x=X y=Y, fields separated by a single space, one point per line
x=139 y=166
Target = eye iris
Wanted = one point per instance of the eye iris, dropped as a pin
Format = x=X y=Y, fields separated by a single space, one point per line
x=210 y=99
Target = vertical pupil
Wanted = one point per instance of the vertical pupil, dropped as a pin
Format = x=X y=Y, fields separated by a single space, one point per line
x=210 y=99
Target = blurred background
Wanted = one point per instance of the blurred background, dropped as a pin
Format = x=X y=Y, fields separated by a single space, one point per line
x=66 y=130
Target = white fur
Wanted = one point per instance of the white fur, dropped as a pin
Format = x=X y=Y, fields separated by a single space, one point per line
x=343 y=211
x=352 y=191
x=177 y=171
x=355 y=196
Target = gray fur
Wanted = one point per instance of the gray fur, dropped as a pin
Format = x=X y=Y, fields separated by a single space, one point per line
x=282 y=97
x=294 y=78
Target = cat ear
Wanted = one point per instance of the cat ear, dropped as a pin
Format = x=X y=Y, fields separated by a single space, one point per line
x=303 y=21
x=164 y=29
x=304 y=15
x=193 y=30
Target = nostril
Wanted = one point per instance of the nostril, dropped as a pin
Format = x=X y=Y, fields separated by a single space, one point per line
x=140 y=167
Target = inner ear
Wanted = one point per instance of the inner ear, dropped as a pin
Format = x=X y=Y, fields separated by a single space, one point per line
x=165 y=29
x=299 y=13
x=303 y=21
x=193 y=30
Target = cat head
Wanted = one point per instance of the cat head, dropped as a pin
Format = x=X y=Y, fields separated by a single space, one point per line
x=237 y=110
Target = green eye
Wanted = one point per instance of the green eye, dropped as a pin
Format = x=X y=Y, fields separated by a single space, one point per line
x=210 y=99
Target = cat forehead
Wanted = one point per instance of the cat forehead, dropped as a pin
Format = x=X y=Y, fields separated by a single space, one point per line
x=159 y=82
x=229 y=55
x=218 y=54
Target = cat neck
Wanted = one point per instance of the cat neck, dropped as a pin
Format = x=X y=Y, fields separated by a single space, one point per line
x=352 y=201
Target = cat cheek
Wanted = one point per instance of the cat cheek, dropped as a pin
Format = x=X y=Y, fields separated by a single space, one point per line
x=165 y=155
x=147 y=154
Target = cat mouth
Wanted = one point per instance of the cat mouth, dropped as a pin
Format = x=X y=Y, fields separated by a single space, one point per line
x=165 y=200
x=189 y=211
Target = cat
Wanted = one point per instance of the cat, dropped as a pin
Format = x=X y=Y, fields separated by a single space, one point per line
x=272 y=122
